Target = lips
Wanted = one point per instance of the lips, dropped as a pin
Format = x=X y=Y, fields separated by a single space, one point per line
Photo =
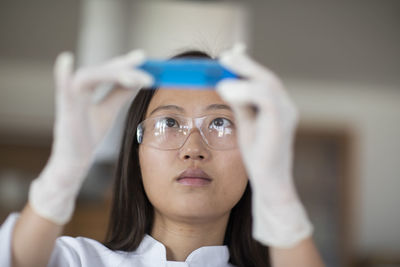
x=194 y=177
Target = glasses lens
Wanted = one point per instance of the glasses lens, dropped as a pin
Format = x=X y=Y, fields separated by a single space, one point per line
x=171 y=132
x=219 y=132
x=167 y=132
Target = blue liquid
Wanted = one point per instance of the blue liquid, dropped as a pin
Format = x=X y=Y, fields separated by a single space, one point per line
x=187 y=73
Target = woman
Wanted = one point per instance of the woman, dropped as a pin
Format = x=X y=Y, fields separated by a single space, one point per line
x=185 y=189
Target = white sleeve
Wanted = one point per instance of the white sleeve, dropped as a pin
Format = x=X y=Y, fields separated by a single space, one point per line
x=79 y=251
x=67 y=252
x=61 y=256
x=6 y=230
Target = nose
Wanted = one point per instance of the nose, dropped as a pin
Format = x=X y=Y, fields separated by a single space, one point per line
x=194 y=147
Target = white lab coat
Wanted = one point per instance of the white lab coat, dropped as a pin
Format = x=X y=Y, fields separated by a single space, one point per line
x=81 y=251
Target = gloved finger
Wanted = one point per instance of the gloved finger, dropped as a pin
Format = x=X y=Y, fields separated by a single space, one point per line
x=137 y=78
x=120 y=70
x=261 y=94
x=257 y=97
x=244 y=106
x=130 y=60
x=253 y=101
x=240 y=63
x=89 y=78
x=126 y=78
x=250 y=130
x=63 y=69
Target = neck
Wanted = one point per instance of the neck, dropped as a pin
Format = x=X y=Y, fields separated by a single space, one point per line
x=181 y=237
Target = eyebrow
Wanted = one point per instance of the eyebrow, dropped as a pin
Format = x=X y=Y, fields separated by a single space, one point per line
x=182 y=110
x=167 y=107
x=218 y=106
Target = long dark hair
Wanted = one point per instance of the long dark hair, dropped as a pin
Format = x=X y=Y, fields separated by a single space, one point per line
x=132 y=213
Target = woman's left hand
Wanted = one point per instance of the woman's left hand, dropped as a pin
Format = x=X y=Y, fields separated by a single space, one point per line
x=266 y=119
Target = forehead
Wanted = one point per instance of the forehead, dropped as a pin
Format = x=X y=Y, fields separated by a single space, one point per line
x=193 y=102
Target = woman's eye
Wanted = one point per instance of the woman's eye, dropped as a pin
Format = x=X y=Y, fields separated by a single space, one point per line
x=220 y=122
x=169 y=122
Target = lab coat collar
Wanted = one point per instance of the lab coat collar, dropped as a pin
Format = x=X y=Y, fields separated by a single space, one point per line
x=204 y=256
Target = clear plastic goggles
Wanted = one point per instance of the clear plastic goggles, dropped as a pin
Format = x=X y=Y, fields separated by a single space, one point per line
x=170 y=132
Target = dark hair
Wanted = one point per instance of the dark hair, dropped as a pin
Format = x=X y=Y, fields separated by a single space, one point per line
x=132 y=213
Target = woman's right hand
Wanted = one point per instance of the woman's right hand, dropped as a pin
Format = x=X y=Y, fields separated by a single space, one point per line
x=80 y=126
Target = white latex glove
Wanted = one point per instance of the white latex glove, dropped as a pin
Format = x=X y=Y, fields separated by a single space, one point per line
x=266 y=120
x=80 y=125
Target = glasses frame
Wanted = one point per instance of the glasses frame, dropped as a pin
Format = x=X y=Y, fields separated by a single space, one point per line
x=196 y=122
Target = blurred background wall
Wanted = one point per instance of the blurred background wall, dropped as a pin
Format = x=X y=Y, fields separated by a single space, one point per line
x=340 y=61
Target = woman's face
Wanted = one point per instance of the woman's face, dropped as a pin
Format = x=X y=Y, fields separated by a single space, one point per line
x=191 y=199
